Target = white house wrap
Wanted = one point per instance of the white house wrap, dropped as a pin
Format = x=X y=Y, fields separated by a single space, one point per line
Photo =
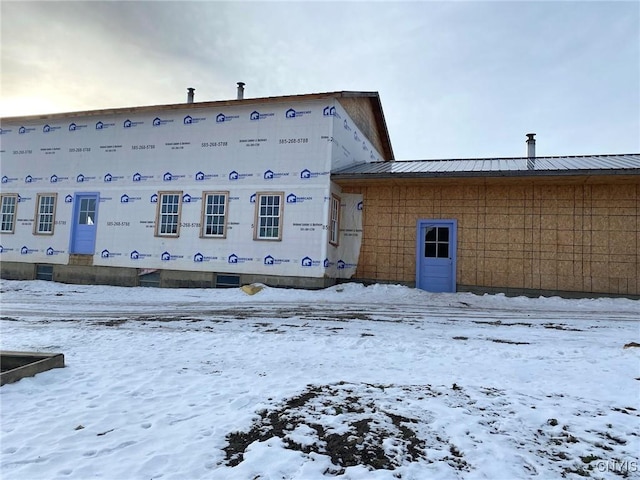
x=234 y=187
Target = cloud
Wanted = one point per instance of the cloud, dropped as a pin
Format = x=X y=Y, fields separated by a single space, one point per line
x=457 y=79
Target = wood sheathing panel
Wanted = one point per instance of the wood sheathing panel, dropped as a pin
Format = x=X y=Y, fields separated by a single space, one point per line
x=361 y=111
x=581 y=237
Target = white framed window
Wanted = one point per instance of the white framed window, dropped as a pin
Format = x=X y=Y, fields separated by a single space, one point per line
x=334 y=220
x=45 y=214
x=9 y=205
x=214 y=214
x=268 y=224
x=168 y=214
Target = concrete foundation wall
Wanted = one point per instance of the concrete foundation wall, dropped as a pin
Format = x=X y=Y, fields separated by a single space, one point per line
x=92 y=275
x=184 y=279
x=131 y=277
x=289 y=282
x=18 y=271
x=551 y=235
x=180 y=279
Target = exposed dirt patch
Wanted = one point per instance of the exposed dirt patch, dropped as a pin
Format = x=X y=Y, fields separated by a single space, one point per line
x=500 y=323
x=558 y=326
x=113 y=323
x=558 y=441
x=387 y=427
x=349 y=424
x=510 y=342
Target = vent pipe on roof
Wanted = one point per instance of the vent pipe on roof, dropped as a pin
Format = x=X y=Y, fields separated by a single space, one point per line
x=531 y=145
x=190 y=94
x=240 y=90
x=531 y=151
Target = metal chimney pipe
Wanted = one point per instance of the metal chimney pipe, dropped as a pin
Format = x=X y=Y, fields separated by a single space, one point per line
x=531 y=151
x=240 y=90
x=190 y=94
x=531 y=145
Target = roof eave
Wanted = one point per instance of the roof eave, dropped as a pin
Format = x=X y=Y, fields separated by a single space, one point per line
x=500 y=174
x=386 y=139
x=195 y=105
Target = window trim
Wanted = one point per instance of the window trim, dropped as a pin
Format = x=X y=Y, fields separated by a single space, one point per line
x=38 y=214
x=203 y=216
x=334 y=224
x=158 y=226
x=256 y=223
x=16 y=198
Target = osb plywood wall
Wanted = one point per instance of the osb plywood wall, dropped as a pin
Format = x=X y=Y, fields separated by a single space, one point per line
x=565 y=237
x=361 y=112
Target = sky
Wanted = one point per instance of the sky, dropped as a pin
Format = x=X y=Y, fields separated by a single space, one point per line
x=456 y=79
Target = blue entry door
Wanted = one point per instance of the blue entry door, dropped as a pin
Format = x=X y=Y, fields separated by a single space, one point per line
x=83 y=233
x=436 y=252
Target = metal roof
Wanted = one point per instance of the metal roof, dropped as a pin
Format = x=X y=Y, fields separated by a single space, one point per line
x=482 y=167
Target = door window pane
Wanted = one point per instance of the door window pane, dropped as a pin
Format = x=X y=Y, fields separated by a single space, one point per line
x=87 y=212
x=431 y=234
x=436 y=242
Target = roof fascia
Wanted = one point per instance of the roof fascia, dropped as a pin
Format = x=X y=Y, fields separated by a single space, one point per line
x=493 y=174
x=182 y=106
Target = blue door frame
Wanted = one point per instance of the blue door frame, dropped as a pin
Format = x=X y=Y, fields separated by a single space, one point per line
x=85 y=221
x=436 y=255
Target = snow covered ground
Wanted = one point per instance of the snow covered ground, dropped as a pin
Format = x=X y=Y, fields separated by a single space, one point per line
x=351 y=382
